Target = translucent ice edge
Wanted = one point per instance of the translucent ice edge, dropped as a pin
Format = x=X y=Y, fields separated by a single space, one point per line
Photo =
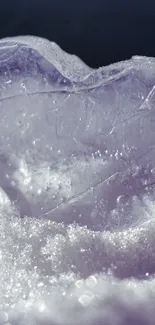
x=42 y=263
x=70 y=65
x=73 y=67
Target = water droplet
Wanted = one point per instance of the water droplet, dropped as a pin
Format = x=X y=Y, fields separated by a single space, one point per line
x=122 y=199
x=85 y=300
x=78 y=283
x=91 y=281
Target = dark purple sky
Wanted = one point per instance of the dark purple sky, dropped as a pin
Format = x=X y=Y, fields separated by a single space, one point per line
x=99 y=31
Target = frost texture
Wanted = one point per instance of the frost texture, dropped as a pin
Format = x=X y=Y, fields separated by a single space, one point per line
x=77 y=188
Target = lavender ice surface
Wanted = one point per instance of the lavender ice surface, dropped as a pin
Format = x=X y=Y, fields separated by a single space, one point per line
x=77 y=188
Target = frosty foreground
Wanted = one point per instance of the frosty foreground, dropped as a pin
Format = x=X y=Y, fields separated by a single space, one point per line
x=77 y=180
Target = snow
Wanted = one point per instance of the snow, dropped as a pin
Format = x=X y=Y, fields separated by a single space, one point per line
x=55 y=274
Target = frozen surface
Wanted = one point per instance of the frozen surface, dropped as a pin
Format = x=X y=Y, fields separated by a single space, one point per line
x=77 y=188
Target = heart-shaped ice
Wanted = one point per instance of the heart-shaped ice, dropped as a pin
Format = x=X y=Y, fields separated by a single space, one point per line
x=77 y=188
x=76 y=144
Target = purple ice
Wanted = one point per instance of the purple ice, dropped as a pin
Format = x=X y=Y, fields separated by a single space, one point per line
x=77 y=188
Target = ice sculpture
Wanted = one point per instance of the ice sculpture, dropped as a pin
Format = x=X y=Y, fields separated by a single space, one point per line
x=75 y=144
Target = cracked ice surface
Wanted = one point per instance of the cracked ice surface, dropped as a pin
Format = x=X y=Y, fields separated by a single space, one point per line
x=77 y=188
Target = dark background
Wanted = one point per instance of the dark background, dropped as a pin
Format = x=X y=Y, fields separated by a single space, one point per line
x=98 y=31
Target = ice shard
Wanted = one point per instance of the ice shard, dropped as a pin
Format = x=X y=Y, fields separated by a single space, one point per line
x=76 y=144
